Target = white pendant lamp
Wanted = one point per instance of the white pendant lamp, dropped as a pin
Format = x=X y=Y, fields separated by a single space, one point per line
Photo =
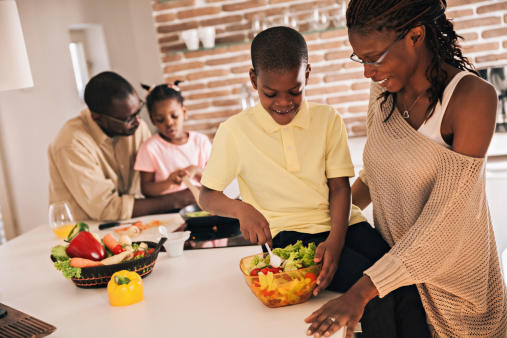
x=14 y=67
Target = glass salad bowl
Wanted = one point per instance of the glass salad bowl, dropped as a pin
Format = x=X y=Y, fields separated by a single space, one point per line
x=282 y=288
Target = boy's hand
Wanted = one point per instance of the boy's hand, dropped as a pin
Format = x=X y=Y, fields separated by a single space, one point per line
x=176 y=176
x=329 y=252
x=253 y=225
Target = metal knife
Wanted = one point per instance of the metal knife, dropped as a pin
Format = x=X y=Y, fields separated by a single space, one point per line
x=113 y=224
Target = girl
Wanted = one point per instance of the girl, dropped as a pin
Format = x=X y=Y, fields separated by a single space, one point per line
x=430 y=122
x=172 y=153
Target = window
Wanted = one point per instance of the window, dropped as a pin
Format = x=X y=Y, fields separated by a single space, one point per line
x=88 y=53
x=79 y=64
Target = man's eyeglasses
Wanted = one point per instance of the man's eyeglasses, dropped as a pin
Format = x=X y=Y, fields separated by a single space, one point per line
x=131 y=119
x=381 y=58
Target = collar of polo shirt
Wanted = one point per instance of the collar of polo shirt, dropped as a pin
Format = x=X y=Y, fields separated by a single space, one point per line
x=301 y=120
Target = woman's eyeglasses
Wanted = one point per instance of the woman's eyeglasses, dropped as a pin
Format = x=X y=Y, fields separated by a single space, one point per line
x=381 y=58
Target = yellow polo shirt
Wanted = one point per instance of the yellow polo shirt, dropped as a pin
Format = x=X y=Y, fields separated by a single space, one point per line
x=282 y=170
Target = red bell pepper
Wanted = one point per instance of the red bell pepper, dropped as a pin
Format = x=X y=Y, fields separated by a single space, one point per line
x=84 y=245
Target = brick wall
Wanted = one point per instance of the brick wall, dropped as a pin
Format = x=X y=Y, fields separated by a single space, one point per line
x=213 y=78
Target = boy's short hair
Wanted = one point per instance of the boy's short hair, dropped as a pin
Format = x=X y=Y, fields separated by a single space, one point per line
x=278 y=48
x=103 y=88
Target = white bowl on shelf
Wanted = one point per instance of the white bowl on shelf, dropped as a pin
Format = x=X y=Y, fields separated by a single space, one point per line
x=207 y=36
x=191 y=39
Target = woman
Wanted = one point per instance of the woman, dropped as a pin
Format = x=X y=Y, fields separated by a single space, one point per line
x=430 y=122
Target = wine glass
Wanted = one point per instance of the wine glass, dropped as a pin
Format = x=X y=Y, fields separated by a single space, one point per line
x=320 y=20
x=257 y=25
x=289 y=20
x=61 y=220
x=338 y=14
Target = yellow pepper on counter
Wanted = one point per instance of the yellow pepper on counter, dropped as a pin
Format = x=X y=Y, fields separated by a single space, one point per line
x=125 y=288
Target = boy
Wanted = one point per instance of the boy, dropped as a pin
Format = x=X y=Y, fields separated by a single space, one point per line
x=292 y=162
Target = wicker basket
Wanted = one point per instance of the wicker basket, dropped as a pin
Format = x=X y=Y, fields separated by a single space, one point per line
x=99 y=276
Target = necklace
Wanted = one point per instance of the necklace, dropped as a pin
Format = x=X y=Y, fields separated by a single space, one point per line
x=406 y=112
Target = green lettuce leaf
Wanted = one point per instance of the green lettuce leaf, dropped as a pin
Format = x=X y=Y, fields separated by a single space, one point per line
x=67 y=270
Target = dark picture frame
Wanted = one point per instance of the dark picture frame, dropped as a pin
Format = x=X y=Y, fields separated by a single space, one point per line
x=497 y=76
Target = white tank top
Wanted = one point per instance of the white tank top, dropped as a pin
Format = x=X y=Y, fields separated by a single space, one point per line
x=431 y=127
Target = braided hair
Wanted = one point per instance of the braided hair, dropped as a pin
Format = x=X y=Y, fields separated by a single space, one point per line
x=162 y=92
x=403 y=15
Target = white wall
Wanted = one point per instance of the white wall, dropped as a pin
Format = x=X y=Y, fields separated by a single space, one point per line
x=30 y=118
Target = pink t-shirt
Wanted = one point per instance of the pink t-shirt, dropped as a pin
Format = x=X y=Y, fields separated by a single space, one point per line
x=162 y=157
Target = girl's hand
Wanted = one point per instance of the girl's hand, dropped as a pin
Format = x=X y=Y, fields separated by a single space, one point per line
x=191 y=170
x=194 y=172
x=344 y=311
x=253 y=225
x=176 y=176
x=329 y=252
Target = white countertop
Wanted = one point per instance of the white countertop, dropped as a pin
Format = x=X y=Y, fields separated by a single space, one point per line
x=199 y=294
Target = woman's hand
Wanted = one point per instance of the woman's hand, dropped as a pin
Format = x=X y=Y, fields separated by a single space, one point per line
x=344 y=311
x=329 y=252
x=253 y=225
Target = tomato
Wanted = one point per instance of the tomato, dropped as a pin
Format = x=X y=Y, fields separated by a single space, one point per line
x=275 y=270
x=268 y=269
x=311 y=276
x=150 y=251
x=254 y=272
x=139 y=253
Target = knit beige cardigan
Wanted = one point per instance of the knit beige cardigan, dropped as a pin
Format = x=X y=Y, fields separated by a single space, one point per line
x=429 y=204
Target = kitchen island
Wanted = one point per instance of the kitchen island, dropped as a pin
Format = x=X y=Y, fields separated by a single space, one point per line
x=199 y=294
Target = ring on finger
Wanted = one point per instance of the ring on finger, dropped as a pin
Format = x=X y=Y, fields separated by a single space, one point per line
x=332 y=319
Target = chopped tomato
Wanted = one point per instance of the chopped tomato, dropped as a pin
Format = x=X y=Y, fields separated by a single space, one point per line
x=265 y=270
x=275 y=270
x=150 y=251
x=311 y=276
x=254 y=272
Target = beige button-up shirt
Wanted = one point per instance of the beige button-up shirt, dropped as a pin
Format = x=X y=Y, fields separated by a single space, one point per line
x=93 y=172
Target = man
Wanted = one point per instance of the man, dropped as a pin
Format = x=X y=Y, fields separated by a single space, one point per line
x=92 y=158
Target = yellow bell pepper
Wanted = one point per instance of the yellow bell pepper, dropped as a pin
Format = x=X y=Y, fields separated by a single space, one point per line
x=125 y=288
